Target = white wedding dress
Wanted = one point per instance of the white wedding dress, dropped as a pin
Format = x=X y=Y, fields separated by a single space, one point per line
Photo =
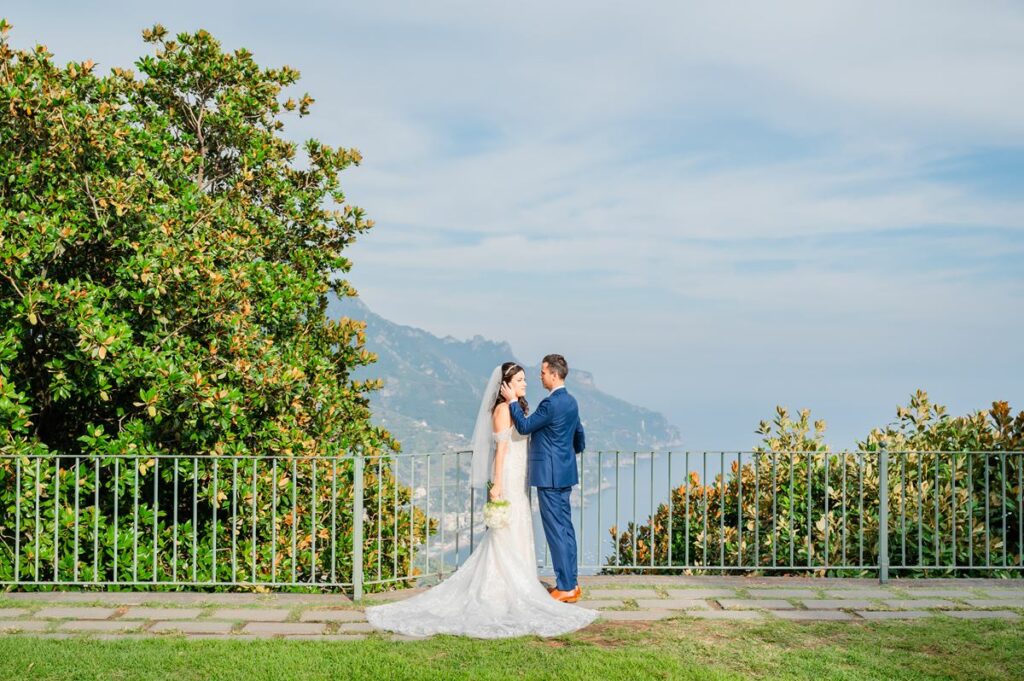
x=495 y=593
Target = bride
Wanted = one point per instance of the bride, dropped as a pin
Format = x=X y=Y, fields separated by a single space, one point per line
x=495 y=593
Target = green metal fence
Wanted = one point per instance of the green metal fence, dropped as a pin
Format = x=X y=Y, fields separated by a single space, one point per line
x=852 y=513
x=285 y=522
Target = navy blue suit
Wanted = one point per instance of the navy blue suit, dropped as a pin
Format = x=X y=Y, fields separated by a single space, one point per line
x=556 y=436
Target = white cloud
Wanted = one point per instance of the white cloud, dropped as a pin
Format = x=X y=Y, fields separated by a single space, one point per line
x=718 y=192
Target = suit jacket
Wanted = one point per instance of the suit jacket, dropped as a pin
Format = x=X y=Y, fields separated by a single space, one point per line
x=556 y=437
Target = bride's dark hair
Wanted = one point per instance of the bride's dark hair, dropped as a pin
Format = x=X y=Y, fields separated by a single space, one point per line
x=508 y=370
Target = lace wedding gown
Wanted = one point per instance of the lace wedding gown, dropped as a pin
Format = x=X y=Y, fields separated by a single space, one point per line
x=495 y=593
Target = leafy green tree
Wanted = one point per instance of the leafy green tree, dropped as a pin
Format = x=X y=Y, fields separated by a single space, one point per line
x=165 y=261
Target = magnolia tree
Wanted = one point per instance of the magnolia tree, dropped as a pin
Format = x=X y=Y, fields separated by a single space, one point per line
x=165 y=261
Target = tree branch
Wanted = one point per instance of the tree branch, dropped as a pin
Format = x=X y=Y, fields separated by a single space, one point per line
x=92 y=199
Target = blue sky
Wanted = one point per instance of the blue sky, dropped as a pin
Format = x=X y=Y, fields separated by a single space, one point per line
x=715 y=207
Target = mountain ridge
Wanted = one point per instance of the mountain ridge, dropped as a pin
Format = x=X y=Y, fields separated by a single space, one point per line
x=433 y=385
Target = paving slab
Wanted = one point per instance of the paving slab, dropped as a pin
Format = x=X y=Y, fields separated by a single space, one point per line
x=894 y=614
x=959 y=594
x=702 y=593
x=354 y=627
x=76 y=613
x=807 y=615
x=860 y=593
x=230 y=637
x=284 y=628
x=726 y=614
x=122 y=637
x=636 y=615
x=332 y=616
x=55 y=635
x=9 y=613
x=100 y=625
x=755 y=604
x=731 y=581
x=783 y=593
x=996 y=602
x=919 y=603
x=251 y=614
x=621 y=593
x=673 y=604
x=325 y=637
x=399 y=595
x=193 y=627
x=120 y=598
x=24 y=625
x=179 y=598
x=148 y=613
x=984 y=614
x=834 y=603
x=1002 y=593
x=598 y=604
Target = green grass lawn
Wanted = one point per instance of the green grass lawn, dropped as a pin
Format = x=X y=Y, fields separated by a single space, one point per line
x=677 y=649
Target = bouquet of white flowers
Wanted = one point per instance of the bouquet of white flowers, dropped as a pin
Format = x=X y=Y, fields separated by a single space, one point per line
x=497 y=513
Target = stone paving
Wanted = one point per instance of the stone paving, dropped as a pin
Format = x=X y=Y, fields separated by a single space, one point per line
x=334 y=617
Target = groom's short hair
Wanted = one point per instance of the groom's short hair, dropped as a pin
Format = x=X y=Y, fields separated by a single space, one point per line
x=557 y=365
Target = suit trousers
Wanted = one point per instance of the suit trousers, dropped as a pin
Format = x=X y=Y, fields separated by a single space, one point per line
x=556 y=515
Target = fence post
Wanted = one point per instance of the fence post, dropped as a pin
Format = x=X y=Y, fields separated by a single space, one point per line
x=472 y=517
x=883 y=515
x=357 y=528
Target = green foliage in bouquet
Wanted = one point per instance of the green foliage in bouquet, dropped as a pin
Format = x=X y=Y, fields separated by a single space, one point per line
x=793 y=529
x=165 y=261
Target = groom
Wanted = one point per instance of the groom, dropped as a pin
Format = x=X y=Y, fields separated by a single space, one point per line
x=557 y=437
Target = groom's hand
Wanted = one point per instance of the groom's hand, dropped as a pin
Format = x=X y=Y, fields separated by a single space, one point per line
x=507 y=393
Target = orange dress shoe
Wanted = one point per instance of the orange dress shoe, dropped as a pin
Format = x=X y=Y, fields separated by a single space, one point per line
x=567 y=596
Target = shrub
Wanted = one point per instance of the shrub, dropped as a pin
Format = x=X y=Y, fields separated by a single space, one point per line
x=735 y=521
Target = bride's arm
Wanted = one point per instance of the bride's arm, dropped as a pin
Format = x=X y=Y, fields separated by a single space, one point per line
x=501 y=421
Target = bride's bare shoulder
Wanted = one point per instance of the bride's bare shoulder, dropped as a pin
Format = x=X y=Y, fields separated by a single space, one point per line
x=501 y=419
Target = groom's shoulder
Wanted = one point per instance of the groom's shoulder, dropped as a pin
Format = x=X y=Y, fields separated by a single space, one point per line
x=565 y=396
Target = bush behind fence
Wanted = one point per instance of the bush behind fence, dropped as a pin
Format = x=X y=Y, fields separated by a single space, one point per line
x=216 y=522
x=819 y=512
